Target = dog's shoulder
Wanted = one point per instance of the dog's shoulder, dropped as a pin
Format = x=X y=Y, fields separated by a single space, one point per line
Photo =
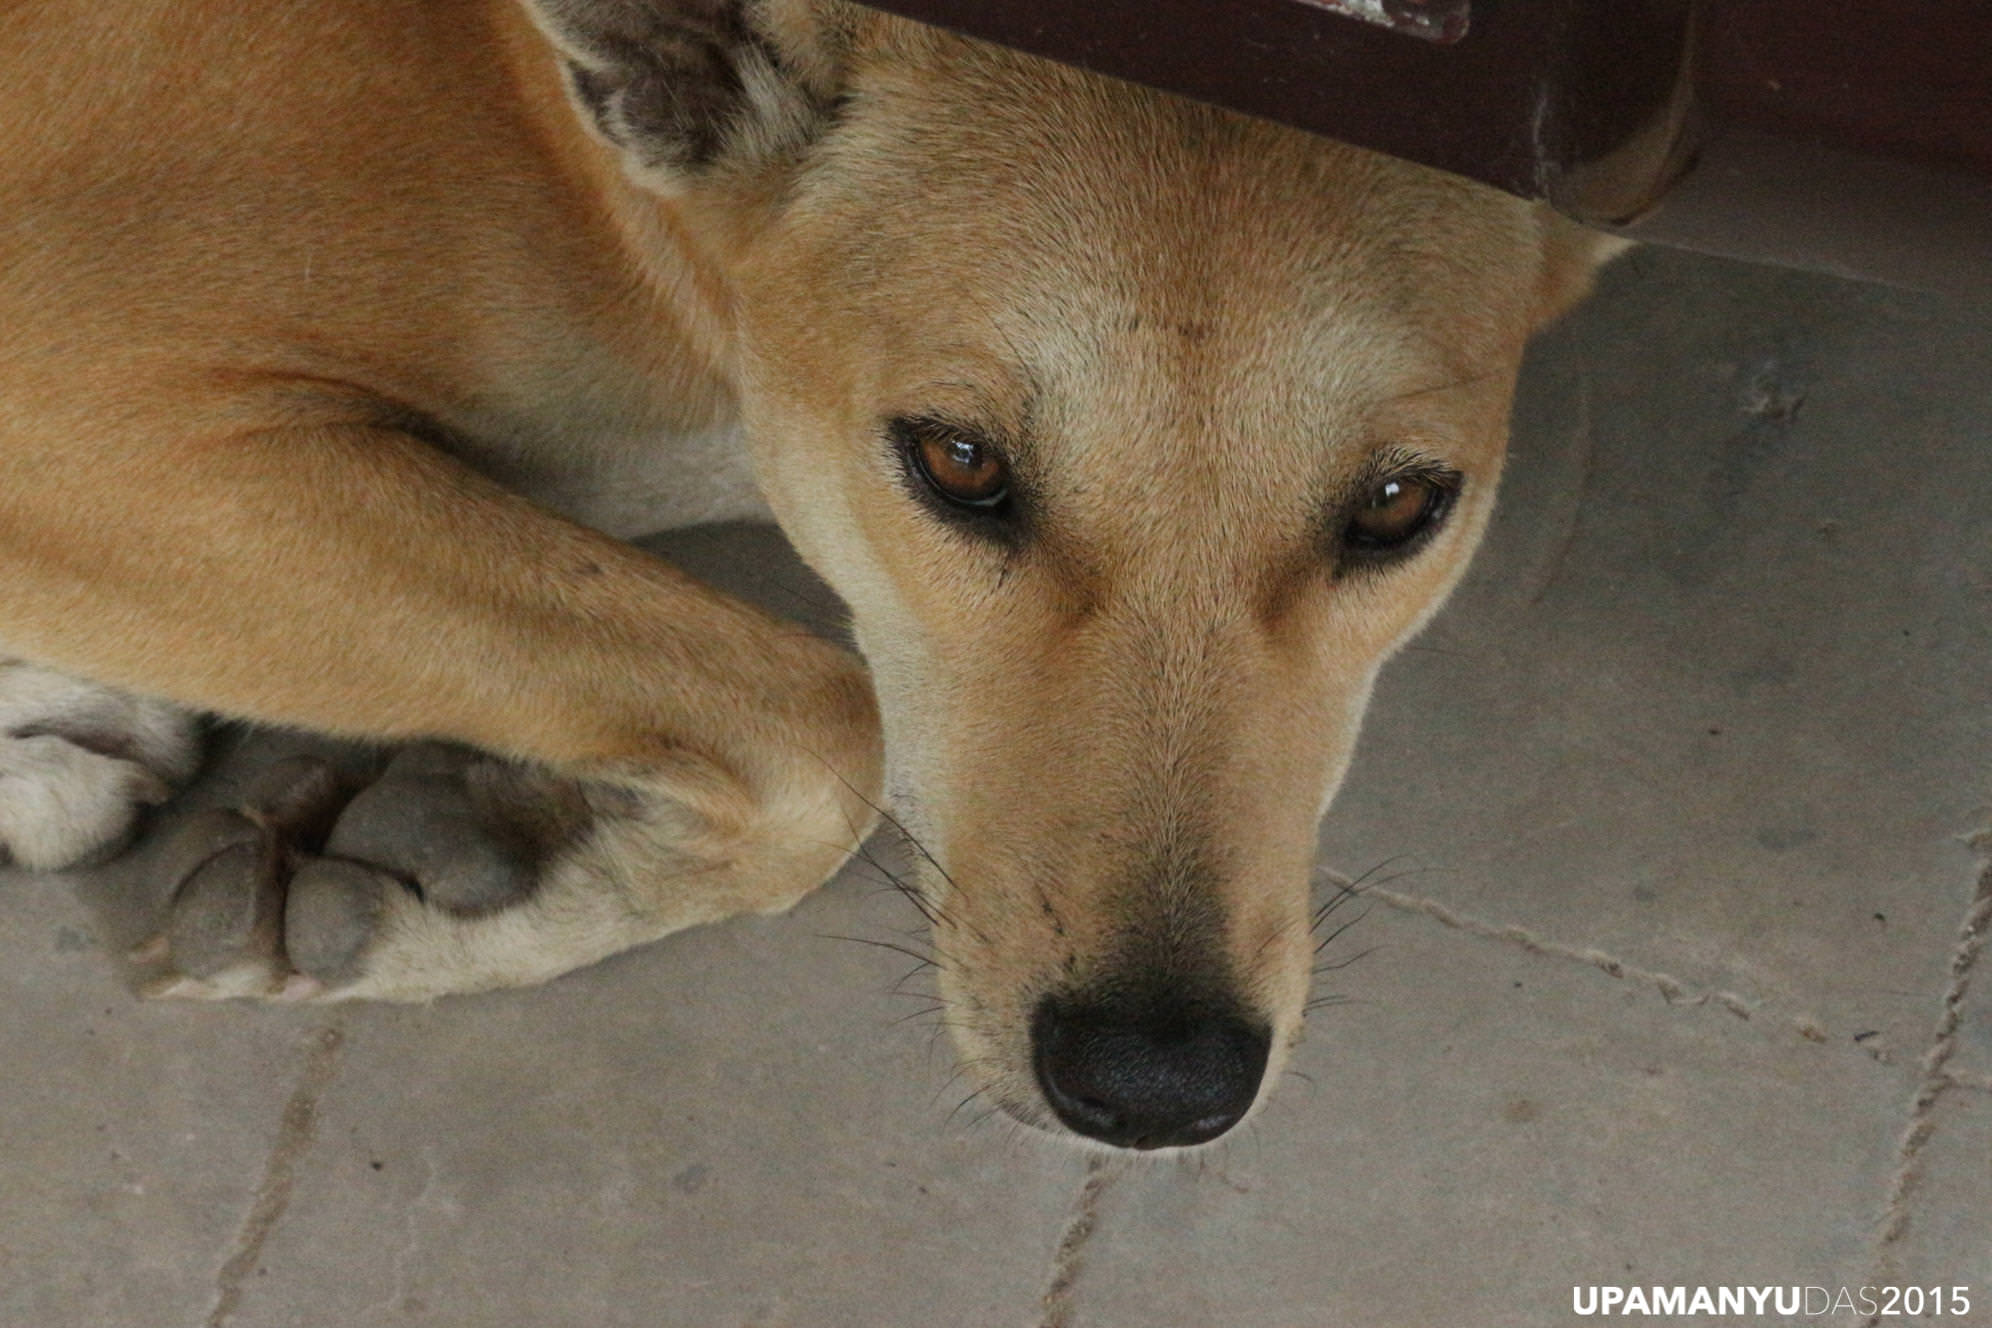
x=392 y=201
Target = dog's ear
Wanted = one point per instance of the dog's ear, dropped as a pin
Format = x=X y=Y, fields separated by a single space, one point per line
x=1571 y=257
x=685 y=88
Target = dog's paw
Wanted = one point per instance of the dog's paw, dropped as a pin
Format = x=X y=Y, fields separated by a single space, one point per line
x=452 y=872
x=78 y=763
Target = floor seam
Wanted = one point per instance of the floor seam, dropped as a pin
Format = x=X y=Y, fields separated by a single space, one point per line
x=1672 y=990
x=1055 y=1306
x=1937 y=1078
x=295 y=1131
x=1972 y=1083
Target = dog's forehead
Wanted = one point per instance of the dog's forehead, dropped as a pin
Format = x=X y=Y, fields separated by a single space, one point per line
x=1137 y=259
x=1092 y=201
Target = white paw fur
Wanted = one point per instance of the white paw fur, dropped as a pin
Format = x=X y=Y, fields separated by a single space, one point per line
x=78 y=761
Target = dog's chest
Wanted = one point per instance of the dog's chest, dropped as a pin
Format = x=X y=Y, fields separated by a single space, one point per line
x=641 y=486
x=620 y=472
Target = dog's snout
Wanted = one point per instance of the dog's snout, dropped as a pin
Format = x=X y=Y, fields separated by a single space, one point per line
x=1148 y=1075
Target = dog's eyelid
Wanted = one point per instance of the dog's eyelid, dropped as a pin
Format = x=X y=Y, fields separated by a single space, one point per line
x=1402 y=463
x=1388 y=460
x=949 y=422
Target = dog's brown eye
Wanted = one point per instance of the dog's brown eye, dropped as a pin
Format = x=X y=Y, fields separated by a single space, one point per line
x=961 y=468
x=1396 y=511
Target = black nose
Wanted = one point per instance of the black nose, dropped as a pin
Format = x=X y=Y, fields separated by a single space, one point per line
x=1155 y=1073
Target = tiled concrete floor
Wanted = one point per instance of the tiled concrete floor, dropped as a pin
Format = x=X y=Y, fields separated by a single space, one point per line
x=1674 y=914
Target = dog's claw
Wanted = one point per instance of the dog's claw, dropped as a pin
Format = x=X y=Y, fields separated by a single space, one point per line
x=176 y=987
x=297 y=989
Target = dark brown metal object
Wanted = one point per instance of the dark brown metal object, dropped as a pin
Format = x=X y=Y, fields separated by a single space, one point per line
x=1845 y=135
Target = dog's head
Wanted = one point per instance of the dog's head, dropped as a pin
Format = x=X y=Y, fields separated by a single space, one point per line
x=1136 y=435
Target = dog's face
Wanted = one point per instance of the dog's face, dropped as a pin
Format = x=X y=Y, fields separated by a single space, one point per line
x=1136 y=436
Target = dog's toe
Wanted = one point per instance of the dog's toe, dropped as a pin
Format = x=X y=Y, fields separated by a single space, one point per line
x=334 y=910
x=450 y=871
x=305 y=887
x=228 y=911
x=229 y=870
x=424 y=823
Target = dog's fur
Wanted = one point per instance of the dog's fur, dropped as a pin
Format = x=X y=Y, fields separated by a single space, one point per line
x=332 y=332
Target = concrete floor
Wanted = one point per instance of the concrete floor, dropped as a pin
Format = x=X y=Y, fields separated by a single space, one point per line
x=1674 y=902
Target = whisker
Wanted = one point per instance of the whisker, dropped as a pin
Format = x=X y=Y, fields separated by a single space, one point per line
x=1357 y=884
x=1340 y=964
x=1349 y=889
x=949 y=1118
x=913 y=841
x=1334 y=935
x=894 y=887
x=900 y=826
x=961 y=1068
x=924 y=961
x=1265 y=945
x=983 y=1117
x=1341 y=897
x=899 y=988
x=1407 y=875
x=926 y=907
x=939 y=918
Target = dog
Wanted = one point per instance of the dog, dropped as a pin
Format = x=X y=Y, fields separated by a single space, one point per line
x=344 y=343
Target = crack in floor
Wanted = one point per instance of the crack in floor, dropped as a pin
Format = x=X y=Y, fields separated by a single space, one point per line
x=1573 y=518
x=1937 y=1079
x=295 y=1130
x=1055 y=1306
x=1671 y=989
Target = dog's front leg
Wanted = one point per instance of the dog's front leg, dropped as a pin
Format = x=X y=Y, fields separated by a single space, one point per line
x=671 y=755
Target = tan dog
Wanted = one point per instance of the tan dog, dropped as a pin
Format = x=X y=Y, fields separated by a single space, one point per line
x=1135 y=434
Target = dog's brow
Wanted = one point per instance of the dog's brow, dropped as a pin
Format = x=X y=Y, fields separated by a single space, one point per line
x=1434 y=389
x=986 y=404
x=1012 y=402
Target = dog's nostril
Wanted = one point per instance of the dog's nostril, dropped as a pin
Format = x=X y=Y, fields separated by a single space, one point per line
x=1153 y=1074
